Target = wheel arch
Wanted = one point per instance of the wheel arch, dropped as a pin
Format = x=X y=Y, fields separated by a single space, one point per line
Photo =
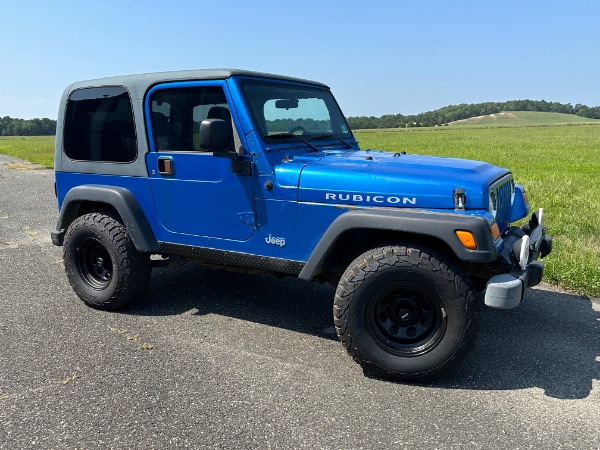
x=111 y=200
x=355 y=232
x=354 y=242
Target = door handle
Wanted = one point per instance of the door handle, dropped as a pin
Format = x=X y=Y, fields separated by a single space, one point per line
x=165 y=166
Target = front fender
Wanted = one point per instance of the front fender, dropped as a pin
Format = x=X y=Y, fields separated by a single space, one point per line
x=122 y=200
x=441 y=225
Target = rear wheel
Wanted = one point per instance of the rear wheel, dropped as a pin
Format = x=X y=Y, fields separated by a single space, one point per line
x=102 y=264
x=406 y=312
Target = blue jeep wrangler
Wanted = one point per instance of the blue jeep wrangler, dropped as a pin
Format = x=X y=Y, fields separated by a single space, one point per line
x=260 y=172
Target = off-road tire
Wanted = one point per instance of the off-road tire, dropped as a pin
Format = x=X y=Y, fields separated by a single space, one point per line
x=103 y=266
x=406 y=312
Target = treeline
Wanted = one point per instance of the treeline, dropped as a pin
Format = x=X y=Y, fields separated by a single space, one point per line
x=30 y=127
x=452 y=113
x=439 y=117
x=285 y=125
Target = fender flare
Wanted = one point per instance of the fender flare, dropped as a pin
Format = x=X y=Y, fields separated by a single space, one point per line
x=122 y=200
x=440 y=225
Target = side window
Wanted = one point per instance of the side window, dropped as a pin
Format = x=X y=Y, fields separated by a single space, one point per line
x=99 y=125
x=176 y=115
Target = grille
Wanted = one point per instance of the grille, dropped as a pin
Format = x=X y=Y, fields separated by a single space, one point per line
x=503 y=189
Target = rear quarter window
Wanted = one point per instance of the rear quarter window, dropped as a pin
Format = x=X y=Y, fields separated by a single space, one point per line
x=99 y=125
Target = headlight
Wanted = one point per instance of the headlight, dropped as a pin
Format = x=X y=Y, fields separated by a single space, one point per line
x=512 y=191
x=493 y=199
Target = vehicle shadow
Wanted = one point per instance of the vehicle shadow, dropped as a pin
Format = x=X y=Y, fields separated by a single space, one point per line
x=286 y=303
x=551 y=341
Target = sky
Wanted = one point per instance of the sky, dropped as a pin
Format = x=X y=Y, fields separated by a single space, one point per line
x=379 y=57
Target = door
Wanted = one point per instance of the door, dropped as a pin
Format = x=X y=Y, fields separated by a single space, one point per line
x=195 y=192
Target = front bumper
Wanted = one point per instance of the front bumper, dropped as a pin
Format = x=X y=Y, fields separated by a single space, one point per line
x=522 y=247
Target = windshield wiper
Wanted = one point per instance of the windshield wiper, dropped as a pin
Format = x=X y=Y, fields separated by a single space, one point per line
x=325 y=136
x=290 y=135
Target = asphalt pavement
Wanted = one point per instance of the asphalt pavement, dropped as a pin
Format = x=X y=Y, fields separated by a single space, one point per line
x=224 y=360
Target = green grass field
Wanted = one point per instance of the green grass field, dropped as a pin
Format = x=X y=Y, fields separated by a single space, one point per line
x=523 y=118
x=37 y=149
x=559 y=166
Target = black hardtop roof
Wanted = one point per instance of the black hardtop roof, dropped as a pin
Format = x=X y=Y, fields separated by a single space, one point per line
x=144 y=80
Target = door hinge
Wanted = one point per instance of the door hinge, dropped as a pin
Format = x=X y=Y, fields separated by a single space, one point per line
x=241 y=166
x=249 y=218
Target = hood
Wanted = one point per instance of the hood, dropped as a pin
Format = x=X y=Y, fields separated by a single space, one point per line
x=377 y=178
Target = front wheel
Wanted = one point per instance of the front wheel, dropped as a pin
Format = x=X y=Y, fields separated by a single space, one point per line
x=102 y=264
x=406 y=312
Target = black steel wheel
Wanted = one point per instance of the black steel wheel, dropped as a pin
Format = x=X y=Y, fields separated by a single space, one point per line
x=406 y=312
x=95 y=264
x=103 y=266
x=406 y=319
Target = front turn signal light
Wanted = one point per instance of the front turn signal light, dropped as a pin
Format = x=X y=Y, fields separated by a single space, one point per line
x=495 y=231
x=467 y=239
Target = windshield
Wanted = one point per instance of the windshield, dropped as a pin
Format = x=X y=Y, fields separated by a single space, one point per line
x=280 y=110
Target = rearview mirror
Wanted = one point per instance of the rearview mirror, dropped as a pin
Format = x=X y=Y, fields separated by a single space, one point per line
x=286 y=103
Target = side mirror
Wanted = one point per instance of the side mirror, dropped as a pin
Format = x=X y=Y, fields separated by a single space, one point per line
x=215 y=135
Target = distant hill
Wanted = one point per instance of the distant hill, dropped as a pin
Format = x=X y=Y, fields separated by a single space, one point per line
x=454 y=113
x=522 y=118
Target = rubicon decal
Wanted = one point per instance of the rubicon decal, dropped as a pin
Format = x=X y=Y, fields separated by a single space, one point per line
x=369 y=198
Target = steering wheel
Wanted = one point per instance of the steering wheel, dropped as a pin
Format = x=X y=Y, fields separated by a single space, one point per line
x=297 y=128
